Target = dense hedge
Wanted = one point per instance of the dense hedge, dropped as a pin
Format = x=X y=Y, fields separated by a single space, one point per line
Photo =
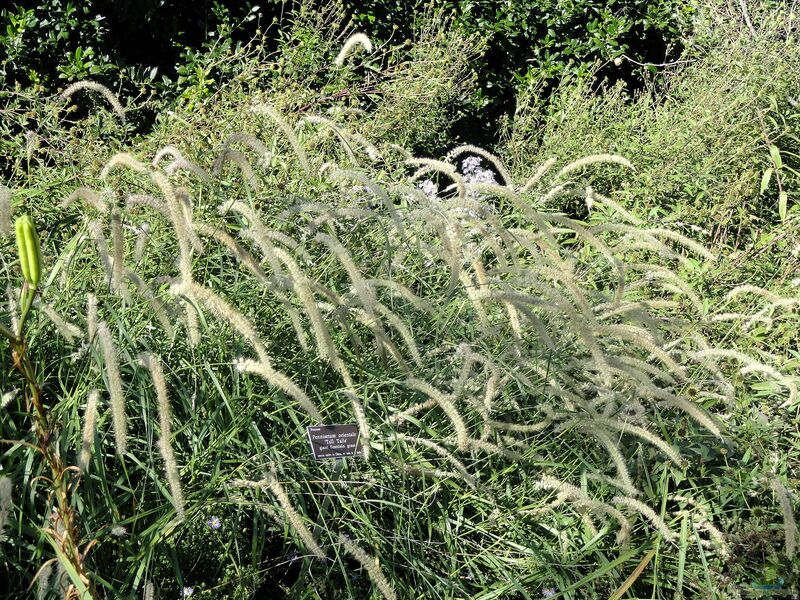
x=133 y=42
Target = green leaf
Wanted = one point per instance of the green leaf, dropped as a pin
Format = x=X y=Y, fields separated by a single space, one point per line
x=83 y=592
x=684 y=544
x=776 y=156
x=783 y=199
x=765 y=178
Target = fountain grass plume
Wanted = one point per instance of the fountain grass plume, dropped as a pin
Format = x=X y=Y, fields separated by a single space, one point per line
x=358 y=411
x=656 y=274
x=153 y=365
x=683 y=404
x=122 y=159
x=257 y=231
x=750 y=366
x=681 y=239
x=236 y=249
x=791 y=533
x=89 y=196
x=647 y=512
x=161 y=310
x=96 y=230
x=265 y=370
x=751 y=289
x=325 y=346
x=89 y=425
x=586 y=235
x=93 y=86
x=6 y=489
x=179 y=162
x=223 y=311
x=475 y=444
x=246 y=139
x=277 y=118
x=142 y=236
x=189 y=314
x=446 y=403
x=91 y=316
x=612 y=447
x=376 y=189
x=70 y=331
x=421 y=304
x=364 y=292
x=43 y=579
x=593 y=160
x=344 y=137
x=5 y=210
x=616 y=207
x=568 y=492
x=239 y=159
x=295 y=519
x=114 y=381
x=8 y=397
x=442 y=452
x=357 y=39
x=136 y=200
x=183 y=229
x=638 y=369
x=402 y=416
x=371 y=566
x=538 y=174
x=428 y=164
x=405 y=332
x=118 y=280
x=640 y=337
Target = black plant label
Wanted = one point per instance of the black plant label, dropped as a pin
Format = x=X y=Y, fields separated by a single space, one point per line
x=334 y=441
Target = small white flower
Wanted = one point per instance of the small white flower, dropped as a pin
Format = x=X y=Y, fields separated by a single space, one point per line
x=429 y=188
x=188 y=592
x=119 y=531
x=471 y=164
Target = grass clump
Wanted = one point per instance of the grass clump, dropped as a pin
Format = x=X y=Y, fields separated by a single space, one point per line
x=532 y=389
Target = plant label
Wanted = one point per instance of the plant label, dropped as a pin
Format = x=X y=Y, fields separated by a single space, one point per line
x=334 y=441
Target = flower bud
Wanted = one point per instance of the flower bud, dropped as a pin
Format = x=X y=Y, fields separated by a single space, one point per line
x=30 y=253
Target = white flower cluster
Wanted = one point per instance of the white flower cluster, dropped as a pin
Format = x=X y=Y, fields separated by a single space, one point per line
x=429 y=188
x=474 y=172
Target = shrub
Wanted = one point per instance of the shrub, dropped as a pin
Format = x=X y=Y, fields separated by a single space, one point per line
x=701 y=141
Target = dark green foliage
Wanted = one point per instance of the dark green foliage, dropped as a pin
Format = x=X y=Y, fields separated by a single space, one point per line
x=702 y=160
x=537 y=40
x=51 y=41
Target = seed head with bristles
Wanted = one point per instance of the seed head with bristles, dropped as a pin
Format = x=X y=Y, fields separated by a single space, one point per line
x=89 y=424
x=6 y=488
x=164 y=443
x=277 y=118
x=370 y=564
x=791 y=533
x=357 y=39
x=114 y=380
x=5 y=210
x=100 y=89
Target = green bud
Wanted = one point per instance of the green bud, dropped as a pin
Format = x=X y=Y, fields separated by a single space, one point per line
x=30 y=253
